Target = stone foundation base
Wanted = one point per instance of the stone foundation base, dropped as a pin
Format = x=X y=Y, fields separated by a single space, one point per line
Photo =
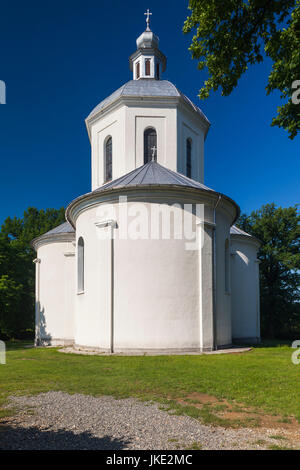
x=138 y=351
x=54 y=342
x=85 y=350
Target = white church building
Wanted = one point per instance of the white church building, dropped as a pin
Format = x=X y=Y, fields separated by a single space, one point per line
x=150 y=260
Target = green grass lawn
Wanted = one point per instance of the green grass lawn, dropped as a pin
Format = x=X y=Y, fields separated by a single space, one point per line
x=264 y=378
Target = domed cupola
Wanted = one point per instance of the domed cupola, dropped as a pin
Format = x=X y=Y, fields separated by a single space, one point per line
x=148 y=62
x=147 y=40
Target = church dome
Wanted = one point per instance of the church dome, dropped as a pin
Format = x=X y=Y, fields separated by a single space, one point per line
x=147 y=40
x=146 y=89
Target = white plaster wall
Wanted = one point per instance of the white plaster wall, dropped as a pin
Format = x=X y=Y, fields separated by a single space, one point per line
x=163 y=119
x=206 y=294
x=93 y=305
x=126 y=124
x=56 y=292
x=155 y=295
x=142 y=61
x=188 y=126
x=244 y=289
x=113 y=125
x=223 y=298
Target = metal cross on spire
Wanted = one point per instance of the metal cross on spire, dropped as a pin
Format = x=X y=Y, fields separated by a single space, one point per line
x=148 y=14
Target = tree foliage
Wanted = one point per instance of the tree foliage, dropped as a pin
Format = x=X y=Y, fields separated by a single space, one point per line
x=17 y=271
x=278 y=230
x=230 y=35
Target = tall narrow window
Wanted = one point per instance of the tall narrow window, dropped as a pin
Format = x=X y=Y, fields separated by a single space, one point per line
x=157 y=72
x=150 y=145
x=137 y=70
x=108 y=160
x=80 y=265
x=227 y=267
x=189 y=158
x=147 y=67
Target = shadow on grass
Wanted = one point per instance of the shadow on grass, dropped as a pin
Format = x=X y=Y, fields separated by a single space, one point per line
x=32 y=438
x=267 y=343
x=16 y=345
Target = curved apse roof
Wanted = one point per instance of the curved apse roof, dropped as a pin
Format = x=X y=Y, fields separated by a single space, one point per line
x=149 y=176
x=146 y=88
x=152 y=173
x=61 y=232
x=234 y=230
x=62 y=228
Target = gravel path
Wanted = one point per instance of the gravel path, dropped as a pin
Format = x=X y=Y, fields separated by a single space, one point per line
x=56 y=420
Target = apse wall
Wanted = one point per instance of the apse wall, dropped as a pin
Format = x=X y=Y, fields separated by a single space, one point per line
x=245 y=289
x=139 y=294
x=55 y=287
x=223 y=330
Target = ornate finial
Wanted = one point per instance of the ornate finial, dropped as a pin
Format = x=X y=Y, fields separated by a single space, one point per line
x=148 y=14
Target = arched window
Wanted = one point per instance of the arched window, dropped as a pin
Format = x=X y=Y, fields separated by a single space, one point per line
x=108 y=160
x=189 y=158
x=137 y=70
x=80 y=265
x=150 y=145
x=147 y=67
x=227 y=266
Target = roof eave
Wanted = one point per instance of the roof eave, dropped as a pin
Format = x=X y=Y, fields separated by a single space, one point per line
x=52 y=238
x=183 y=189
x=249 y=238
x=130 y=99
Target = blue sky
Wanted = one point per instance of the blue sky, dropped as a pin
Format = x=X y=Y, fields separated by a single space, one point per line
x=60 y=59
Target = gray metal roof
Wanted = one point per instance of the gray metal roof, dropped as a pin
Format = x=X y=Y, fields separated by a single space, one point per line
x=146 y=88
x=63 y=228
x=60 y=230
x=152 y=173
x=234 y=230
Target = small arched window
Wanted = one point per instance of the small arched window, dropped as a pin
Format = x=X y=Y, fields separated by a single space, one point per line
x=227 y=266
x=189 y=158
x=147 y=67
x=150 y=145
x=80 y=265
x=137 y=70
x=108 y=160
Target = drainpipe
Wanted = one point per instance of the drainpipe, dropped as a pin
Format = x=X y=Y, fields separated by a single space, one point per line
x=112 y=274
x=214 y=280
